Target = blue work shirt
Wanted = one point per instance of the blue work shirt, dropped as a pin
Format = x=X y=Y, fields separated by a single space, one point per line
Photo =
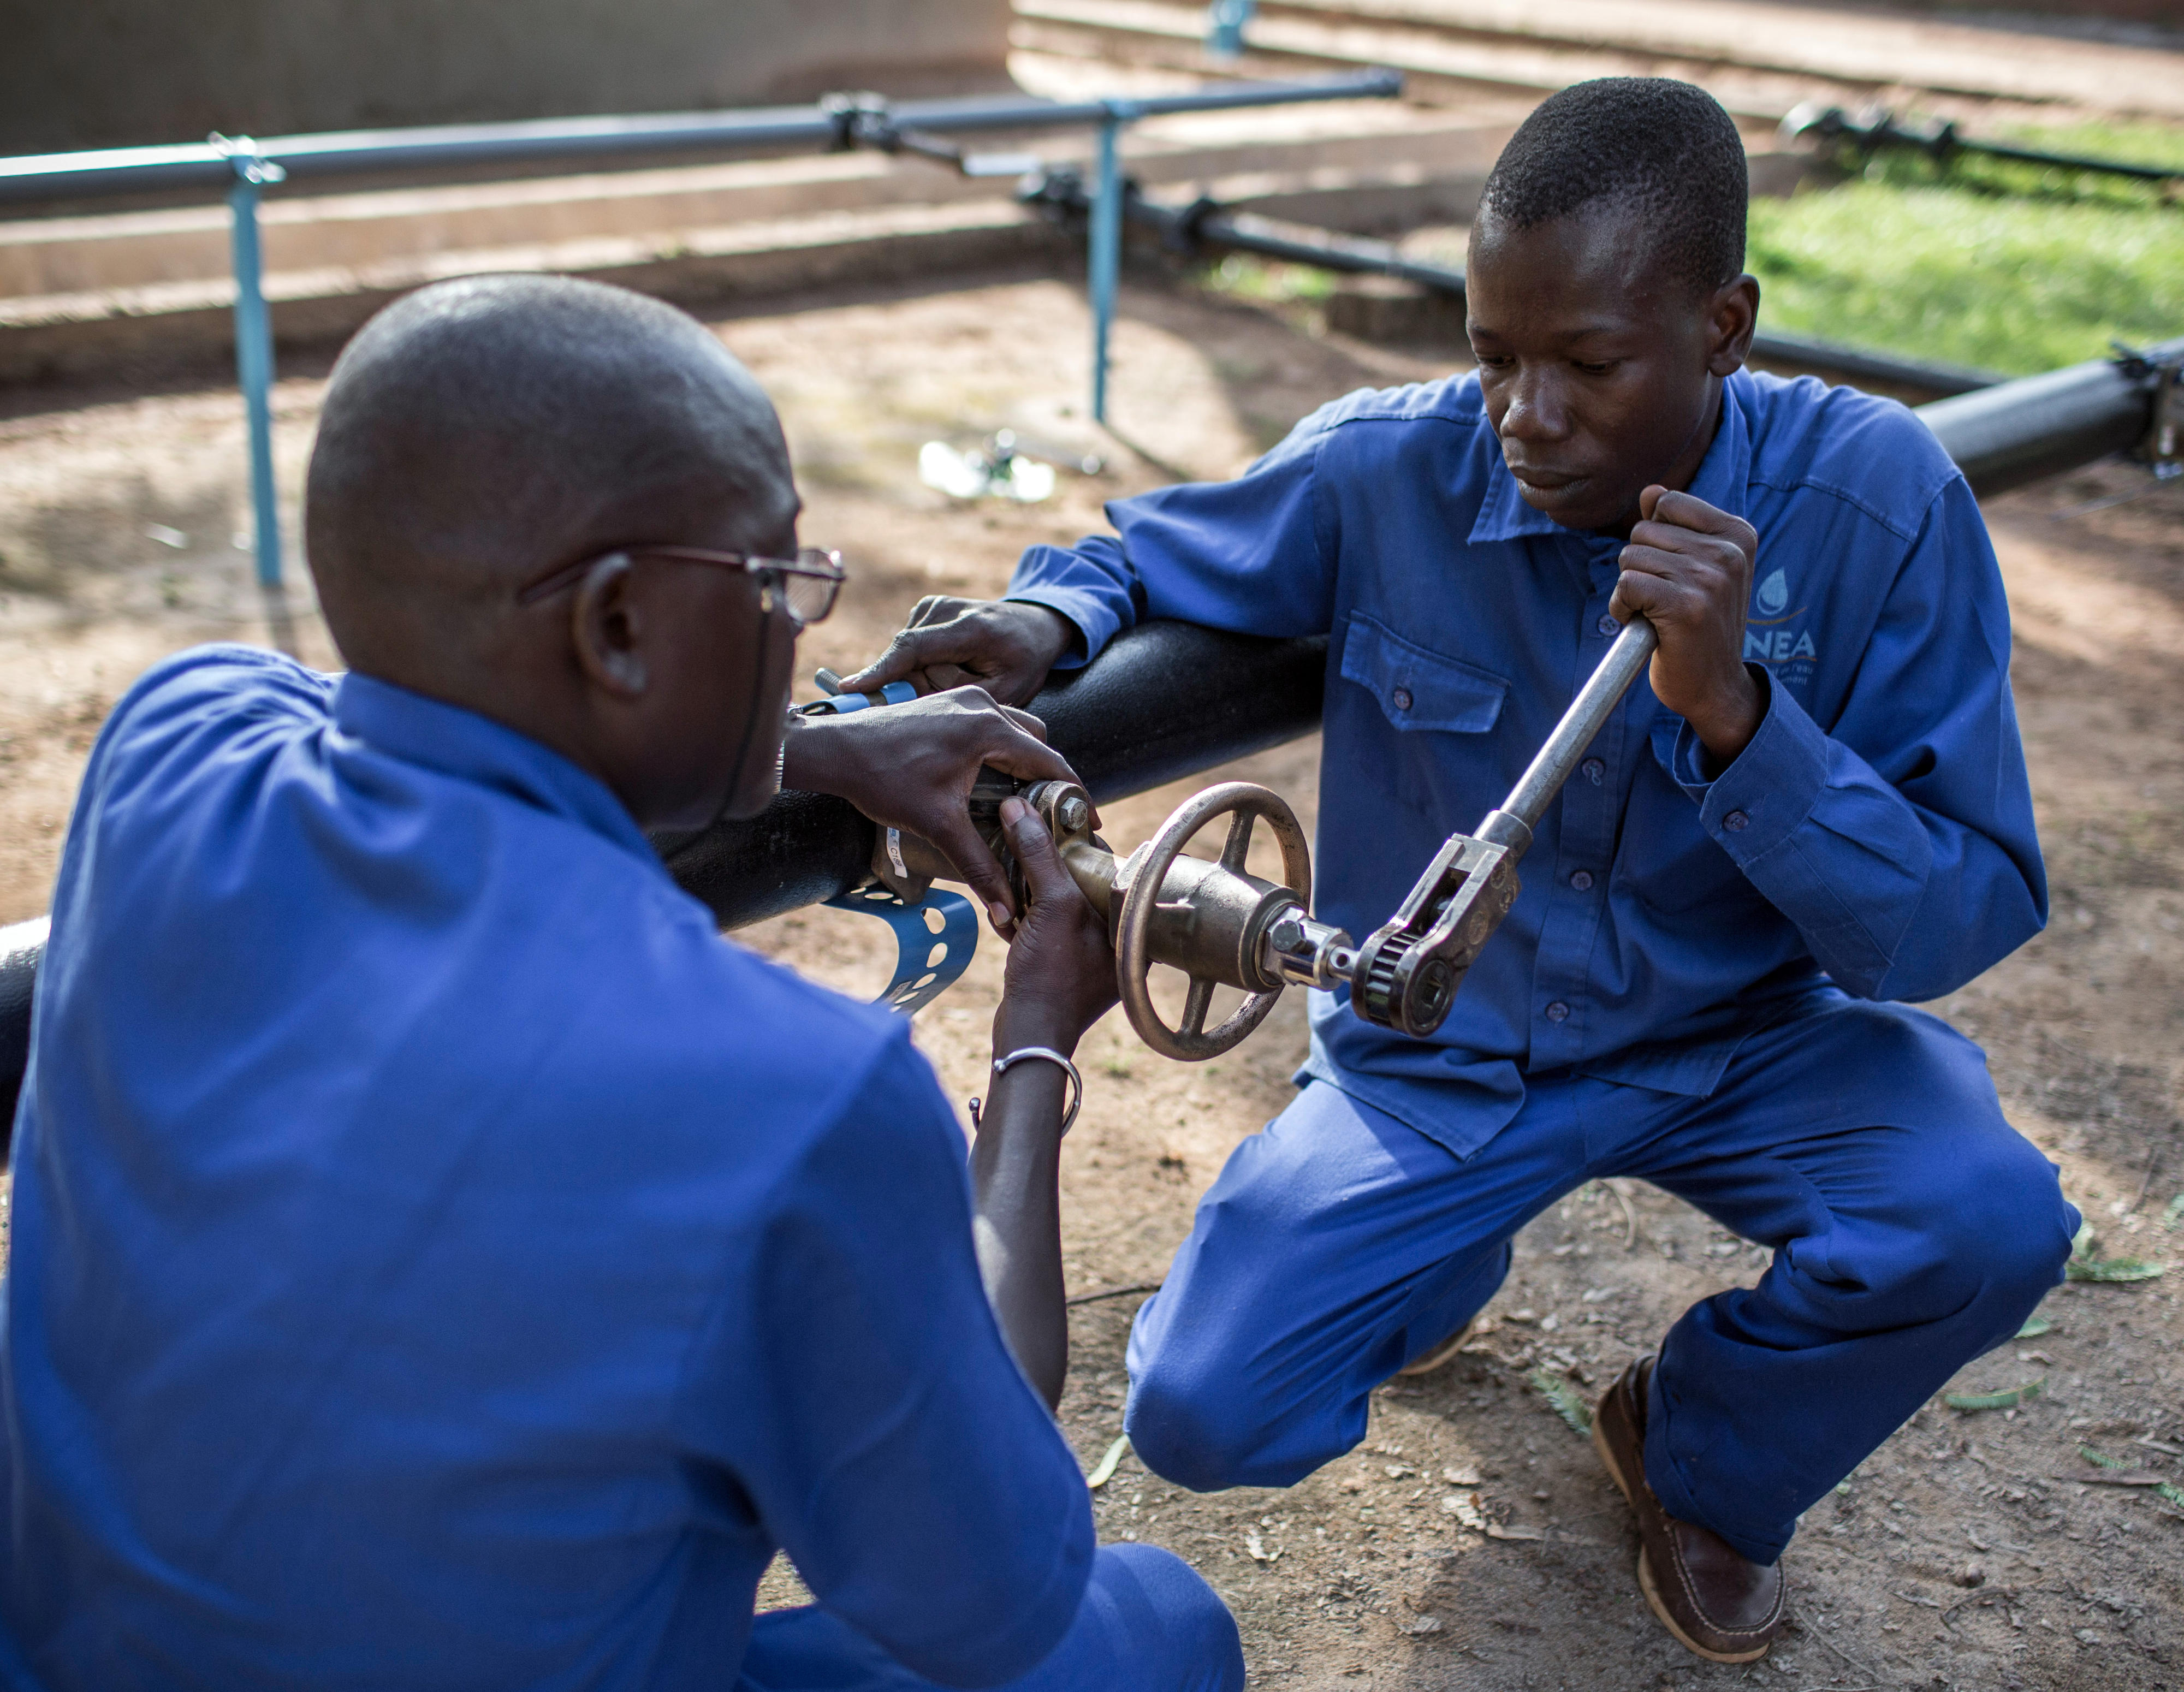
x=1876 y=832
x=441 y=1260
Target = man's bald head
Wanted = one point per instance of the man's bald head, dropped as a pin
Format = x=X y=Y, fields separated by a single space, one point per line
x=480 y=433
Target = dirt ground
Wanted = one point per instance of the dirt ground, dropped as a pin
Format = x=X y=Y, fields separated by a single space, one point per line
x=1472 y=1542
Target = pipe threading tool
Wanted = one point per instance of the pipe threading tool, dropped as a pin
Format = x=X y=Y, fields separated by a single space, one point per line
x=1212 y=919
x=1221 y=926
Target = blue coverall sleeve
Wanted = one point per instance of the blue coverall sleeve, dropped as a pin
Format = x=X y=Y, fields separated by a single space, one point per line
x=1253 y=555
x=889 y=1442
x=1901 y=840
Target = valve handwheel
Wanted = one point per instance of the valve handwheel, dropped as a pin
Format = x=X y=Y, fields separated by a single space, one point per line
x=1248 y=802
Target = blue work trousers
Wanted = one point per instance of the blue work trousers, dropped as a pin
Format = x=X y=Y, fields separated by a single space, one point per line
x=1148 y=1623
x=1912 y=1229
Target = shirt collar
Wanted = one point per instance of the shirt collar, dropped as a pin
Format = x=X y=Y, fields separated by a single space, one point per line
x=474 y=748
x=1722 y=481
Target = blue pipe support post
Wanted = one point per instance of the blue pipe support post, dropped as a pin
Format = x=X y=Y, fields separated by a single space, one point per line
x=253 y=349
x=1226 y=21
x=1106 y=246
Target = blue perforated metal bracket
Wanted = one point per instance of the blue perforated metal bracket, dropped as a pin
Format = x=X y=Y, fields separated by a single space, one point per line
x=934 y=940
x=839 y=703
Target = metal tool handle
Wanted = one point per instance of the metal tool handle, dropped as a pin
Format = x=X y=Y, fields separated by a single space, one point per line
x=1588 y=714
x=1407 y=971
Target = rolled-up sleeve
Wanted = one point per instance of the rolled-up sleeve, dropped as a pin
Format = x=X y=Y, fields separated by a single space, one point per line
x=1255 y=555
x=1899 y=840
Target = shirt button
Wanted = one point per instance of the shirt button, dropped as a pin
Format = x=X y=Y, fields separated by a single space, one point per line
x=1581 y=879
x=1607 y=625
x=1735 y=823
x=1402 y=699
x=1558 y=1011
x=1593 y=770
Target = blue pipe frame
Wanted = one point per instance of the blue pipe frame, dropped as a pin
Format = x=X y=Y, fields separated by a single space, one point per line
x=241 y=168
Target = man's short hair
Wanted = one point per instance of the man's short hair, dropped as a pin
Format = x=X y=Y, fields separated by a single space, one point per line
x=1661 y=148
x=478 y=430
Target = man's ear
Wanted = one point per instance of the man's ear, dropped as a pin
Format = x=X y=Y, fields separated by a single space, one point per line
x=606 y=628
x=1732 y=319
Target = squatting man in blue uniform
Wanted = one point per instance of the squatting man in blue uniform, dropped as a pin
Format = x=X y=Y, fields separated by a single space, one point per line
x=439 y=1259
x=1817 y=810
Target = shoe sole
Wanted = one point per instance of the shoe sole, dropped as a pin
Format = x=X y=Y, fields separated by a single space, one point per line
x=1660 y=1614
x=1433 y=1359
x=1645 y=1570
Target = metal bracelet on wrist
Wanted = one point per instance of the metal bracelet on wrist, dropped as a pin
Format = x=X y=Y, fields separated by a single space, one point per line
x=1076 y=1081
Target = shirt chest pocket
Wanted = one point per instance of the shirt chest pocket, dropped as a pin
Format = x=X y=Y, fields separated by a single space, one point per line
x=1419 y=689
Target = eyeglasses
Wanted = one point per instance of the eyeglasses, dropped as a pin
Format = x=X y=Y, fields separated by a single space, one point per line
x=804 y=585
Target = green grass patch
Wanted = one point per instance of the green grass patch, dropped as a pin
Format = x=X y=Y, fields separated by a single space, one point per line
x=2009 y=267
x=1246 y=276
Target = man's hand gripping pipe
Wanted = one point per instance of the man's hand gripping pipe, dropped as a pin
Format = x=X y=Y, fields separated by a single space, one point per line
x=1405 y=976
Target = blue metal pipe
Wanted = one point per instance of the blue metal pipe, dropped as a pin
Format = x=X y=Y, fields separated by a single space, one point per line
x=45 y=177
x=1107 y=251
x=254 y=350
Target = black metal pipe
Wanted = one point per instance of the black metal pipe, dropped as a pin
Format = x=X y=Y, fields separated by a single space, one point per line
x=20 y=948
x=209 y=165
x=1836 y=358
x=1876 y=127
x=2006 y=436
x=1205 y=223
x=1168 y=700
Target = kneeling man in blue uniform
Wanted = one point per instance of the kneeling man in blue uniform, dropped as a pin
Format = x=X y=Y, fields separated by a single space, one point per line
x=440 y=1261
x=1816 y=811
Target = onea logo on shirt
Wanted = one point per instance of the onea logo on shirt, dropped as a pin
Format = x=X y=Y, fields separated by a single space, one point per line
x=1767 y=641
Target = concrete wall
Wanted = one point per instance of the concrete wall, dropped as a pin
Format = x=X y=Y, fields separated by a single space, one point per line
x=118 y=73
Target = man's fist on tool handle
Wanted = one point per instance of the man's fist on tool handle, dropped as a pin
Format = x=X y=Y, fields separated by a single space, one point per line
x=911 y=766
x=1060 y=974
x=1059 y=980
x=1005 y=646
x=1688 y=569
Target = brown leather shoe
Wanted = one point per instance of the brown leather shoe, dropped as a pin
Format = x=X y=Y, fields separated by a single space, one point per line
x=1715 y=1601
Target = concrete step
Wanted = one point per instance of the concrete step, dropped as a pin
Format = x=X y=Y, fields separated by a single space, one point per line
x=1758 y=59
x=1436 y=66
x=70 y=336
x=1977 y=61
